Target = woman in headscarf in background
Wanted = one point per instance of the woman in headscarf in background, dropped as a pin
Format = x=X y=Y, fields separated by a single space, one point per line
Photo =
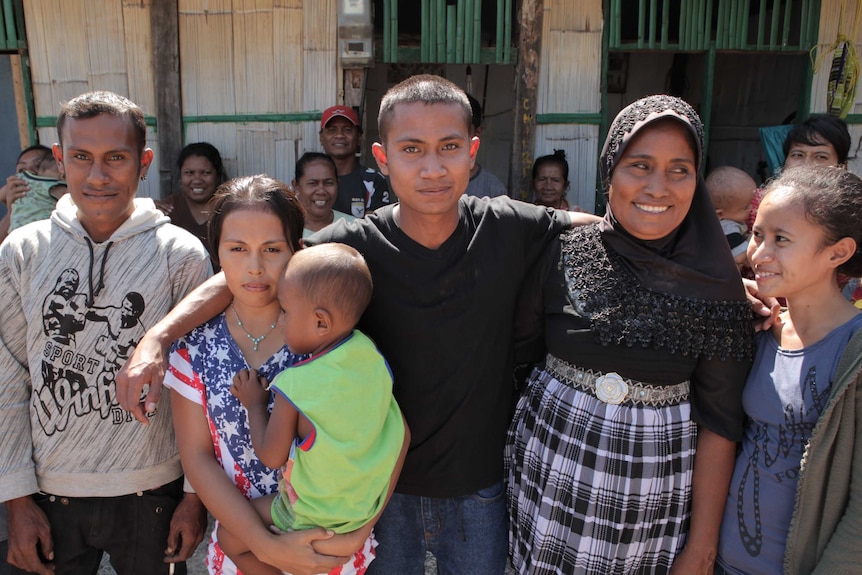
x=643 y=337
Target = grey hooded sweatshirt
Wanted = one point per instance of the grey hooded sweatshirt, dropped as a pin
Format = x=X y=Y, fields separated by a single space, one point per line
x=71 y=312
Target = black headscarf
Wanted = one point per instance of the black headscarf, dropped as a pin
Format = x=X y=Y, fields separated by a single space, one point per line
x=682 y=292
x=692 y=261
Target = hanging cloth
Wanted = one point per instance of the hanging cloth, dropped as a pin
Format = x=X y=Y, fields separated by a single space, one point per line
x=844 y=73
x=843 y=79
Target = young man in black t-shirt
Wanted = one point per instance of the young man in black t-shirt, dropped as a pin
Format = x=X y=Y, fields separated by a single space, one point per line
x=446 y=270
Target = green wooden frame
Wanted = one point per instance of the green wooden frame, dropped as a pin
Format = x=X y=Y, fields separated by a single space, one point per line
x=731 y=34
x=450 y=34
x=731 y=24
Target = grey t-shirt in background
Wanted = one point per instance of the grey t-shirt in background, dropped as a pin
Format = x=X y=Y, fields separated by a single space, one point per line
x=485 y=185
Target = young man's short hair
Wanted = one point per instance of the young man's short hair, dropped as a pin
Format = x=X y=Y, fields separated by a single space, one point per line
x=92 y=104
x=423 y=88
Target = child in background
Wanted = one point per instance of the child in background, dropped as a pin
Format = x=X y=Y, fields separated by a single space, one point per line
x=46 y=188
x=794 y=502
x=731 y=191
x=335 y=429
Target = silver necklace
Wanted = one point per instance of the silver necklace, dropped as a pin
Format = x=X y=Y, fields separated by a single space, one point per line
x=254 y=340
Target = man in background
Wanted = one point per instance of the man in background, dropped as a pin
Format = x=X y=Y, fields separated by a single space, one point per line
x=361 y=190
x=483 y=184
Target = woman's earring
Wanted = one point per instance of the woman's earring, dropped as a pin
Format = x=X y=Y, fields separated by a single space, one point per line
x=144 y=178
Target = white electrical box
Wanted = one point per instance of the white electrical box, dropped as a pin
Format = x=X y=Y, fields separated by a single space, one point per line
x=355 y=33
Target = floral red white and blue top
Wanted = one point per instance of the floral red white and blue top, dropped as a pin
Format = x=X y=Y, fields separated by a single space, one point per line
x=201 y=369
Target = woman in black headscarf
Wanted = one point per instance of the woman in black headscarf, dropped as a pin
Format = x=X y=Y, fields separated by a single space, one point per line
x=648 y=339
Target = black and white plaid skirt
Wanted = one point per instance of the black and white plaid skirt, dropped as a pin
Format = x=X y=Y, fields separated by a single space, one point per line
x=596 y=488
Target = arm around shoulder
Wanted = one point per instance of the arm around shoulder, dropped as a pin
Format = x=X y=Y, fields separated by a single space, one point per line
x=145 y=368
x=581 y=218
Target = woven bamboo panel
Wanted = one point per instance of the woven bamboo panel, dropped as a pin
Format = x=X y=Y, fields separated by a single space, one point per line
x=41 y=26
x=290 y=130
x=319 y=92
x=570 y=72
x=58 y=74
x=320 y=64
x=565 y=15
x=82 y=45
x=287 y=55
x=106 y=46
x=206 y=57
x=320 y=23
x=285 y=160
x=255 y=146
x=139 y=49
x=254 y=56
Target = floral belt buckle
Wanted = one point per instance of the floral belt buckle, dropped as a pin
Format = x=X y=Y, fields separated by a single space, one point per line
x=611 y=388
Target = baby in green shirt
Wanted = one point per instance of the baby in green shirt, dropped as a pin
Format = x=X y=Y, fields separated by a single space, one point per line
x=46 y=187
x=336 y=431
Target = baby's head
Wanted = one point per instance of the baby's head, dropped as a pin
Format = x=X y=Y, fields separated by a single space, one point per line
x=731 y=191
x=48 y=168
x=39 y=161
x=324 y=291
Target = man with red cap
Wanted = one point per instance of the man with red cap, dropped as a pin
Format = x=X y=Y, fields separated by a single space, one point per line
x=361 y=190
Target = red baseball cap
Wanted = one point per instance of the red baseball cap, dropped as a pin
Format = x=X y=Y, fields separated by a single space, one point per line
x=343 y=111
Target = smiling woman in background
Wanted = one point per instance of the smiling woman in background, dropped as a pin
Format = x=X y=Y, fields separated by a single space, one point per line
x=551 y=180
x=201 y=172
x=316 y=186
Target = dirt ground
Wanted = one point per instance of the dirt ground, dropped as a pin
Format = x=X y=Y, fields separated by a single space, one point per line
x=197 y=566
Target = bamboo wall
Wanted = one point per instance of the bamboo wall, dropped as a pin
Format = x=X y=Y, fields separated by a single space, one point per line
x=570 y=82
x=237 y=57
x=257 y=57
x=830 y=24
x=81 y=45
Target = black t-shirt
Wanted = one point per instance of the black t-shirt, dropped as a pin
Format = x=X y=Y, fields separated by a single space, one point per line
x=362 y=190
x=443 y=320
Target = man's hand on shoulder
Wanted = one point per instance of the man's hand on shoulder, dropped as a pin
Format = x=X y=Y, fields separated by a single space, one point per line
x=765 y=309
x=31 y=547
x=144 y=371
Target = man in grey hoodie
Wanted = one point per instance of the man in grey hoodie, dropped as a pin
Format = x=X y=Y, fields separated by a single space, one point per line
x=79 y=476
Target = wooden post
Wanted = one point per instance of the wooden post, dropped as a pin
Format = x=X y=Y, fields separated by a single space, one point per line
x=526 y=92
x=354 y=84
x=26 y=132
x=164 y=31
